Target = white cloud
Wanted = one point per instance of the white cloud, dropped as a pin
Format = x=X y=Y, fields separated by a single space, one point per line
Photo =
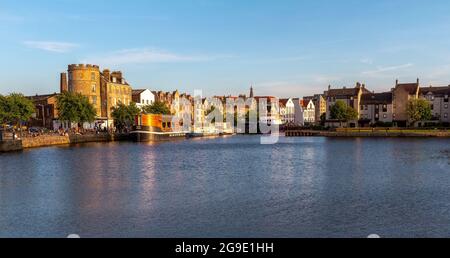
x=144 y=56
x=388 y=69
x=51 y=46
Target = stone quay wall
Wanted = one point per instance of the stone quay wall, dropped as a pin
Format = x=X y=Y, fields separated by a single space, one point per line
x=53 y=140
x=10 y=145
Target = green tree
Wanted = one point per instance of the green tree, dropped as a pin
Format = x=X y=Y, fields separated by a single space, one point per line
x=351 y=114
x=157 y=108
x=342 y=112
x=323 y=118
x=338 y=111
x=419 y=110
x=3 y=106
x=17 y=108
x=124 y=115
x=75 y=108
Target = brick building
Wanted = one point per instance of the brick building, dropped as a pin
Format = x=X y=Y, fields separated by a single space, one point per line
x=105 y=90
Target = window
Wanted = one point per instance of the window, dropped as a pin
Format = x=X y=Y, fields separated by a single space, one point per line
x=92 y=76
x=114 y=79
x=384 y=108
x=94 y=100
x=446 y=106
x=384 y=116
x=93 y=87
x=432 y=107
x=445 y=115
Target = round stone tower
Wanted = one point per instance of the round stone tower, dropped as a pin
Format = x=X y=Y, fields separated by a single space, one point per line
x=85 y=79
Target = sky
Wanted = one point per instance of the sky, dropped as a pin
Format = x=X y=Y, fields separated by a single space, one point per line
x=284 y=48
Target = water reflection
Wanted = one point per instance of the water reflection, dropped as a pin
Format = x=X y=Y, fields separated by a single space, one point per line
x=229 y=187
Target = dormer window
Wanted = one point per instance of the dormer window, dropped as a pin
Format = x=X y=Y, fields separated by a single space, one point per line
x=114 y=79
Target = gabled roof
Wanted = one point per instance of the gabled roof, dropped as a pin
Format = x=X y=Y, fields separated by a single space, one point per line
x=305 y=102
x=342 y=92
x=283 y=101
x=376 y=98
x=137 y=91
x=437 y=91
x=411 y=88
x=346 y=92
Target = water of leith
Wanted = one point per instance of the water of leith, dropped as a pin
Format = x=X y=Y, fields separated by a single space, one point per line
x=229 y=187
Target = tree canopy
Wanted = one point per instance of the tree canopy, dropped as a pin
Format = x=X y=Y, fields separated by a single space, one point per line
x=419 y=110
x=157 y=108
x=15 y=108
x=74 y=107
x=124 y=115
x=341 y=111
x=3 y=112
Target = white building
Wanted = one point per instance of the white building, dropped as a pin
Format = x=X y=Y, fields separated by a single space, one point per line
x=309 y=112
x=305 y=112
x=287 y=111
x=143 y=97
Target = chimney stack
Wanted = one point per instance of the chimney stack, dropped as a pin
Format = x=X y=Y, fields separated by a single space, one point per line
x=396 y=82
x=63 y=83
x=107 y=75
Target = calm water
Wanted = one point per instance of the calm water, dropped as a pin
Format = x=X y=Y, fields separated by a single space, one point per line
x=229 y=187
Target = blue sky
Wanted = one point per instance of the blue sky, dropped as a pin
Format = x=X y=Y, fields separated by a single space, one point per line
x=286 y=48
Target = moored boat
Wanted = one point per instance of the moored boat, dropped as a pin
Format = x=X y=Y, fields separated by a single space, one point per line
x=156 y=128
